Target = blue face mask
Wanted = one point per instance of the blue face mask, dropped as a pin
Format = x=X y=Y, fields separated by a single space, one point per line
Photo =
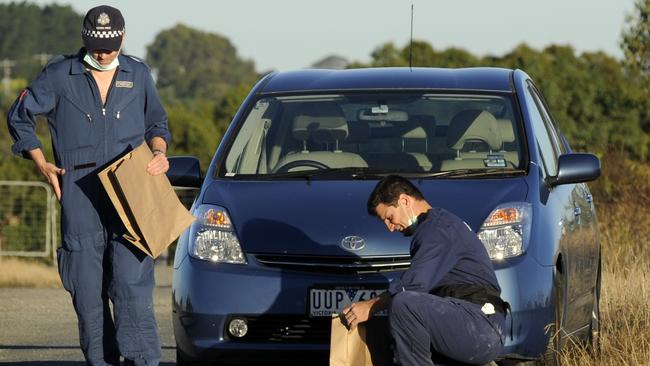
x=97 y=66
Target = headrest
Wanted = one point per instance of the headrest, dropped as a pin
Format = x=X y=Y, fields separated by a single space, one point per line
x=415 y=133
x=320 y=116
x=506 y=130
x=322 y=129
x=330 y=129
x=473 y=125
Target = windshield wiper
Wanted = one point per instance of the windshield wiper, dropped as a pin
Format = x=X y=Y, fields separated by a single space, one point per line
x=469 y=173
x=368 y=173
x=350 y=172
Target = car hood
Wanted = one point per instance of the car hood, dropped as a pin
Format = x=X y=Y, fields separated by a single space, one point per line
x=312 y=218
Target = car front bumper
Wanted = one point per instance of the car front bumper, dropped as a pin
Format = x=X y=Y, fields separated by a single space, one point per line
x=274 y=301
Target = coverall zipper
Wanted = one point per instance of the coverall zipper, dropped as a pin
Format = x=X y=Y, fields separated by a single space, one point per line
x=98 y=95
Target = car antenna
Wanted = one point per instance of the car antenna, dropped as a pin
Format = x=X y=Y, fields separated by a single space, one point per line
x=411 y=42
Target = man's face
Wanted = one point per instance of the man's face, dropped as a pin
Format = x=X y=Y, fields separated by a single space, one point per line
x=394 y=217
x=104 y=57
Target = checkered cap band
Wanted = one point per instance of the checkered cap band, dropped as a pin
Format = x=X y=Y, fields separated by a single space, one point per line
x=101 y=34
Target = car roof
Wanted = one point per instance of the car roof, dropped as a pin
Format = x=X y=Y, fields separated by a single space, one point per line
x=475 y=78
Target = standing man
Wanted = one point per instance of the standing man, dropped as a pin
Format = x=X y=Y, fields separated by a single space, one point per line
x=99 y=104
x=446 y=307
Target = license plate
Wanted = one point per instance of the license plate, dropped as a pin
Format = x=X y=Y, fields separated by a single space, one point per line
x=325 y=302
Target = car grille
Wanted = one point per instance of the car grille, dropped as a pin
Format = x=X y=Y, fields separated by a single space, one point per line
x=285 y=329
x=336 y=264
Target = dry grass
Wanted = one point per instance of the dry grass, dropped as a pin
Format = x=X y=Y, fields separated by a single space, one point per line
x=623 y=199
x=24 y=273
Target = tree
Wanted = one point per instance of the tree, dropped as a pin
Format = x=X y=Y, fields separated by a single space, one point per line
x=636 y=38
x=195 y=64
x=636 y=47
x=29 y=34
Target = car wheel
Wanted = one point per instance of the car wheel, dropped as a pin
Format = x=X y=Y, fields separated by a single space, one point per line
x=183 y=360
x=180 y=358
x=594 y=328
x=552 y=355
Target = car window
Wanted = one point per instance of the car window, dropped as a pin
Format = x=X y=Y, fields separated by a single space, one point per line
x=551 y=127
x=401 y=133
x=544 y=140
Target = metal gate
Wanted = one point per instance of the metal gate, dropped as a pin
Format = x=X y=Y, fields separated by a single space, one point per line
x=27 y=219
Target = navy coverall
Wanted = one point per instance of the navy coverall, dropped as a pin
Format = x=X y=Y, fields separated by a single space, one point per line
x=95 y=263
x=429 y=329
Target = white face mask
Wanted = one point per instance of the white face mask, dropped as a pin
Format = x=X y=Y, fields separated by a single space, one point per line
x=412 y=222
x=97 y=66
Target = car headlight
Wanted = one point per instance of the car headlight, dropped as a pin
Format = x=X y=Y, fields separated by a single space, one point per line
x=506 y=231
x=213 y=236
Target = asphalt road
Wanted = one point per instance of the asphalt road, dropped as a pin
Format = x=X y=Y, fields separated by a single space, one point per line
x=39 y=326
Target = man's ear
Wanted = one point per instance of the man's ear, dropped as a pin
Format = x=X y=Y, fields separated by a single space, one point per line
x=406 y=199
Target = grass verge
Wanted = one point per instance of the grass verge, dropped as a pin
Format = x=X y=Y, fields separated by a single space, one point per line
x=25 y=273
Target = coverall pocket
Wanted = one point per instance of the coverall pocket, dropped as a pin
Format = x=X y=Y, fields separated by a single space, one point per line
x=63 y=267
x=129 y=120
x=76 y=126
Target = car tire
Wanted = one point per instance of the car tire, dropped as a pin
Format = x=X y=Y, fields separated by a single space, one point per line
x=594 y=327
x=551 y=356
x=183 y=360
x=180 y=359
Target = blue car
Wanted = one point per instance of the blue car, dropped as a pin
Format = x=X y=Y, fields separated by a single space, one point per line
x=283 y=240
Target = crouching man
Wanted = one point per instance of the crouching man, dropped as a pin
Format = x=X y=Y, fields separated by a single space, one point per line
x=446 y=307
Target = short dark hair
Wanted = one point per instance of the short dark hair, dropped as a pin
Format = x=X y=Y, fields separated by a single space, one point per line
x=388 y=190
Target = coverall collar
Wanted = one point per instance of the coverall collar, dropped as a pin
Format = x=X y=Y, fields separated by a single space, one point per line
x=77 y=66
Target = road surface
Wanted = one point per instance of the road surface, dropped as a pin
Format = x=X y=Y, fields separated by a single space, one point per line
x=39 y=326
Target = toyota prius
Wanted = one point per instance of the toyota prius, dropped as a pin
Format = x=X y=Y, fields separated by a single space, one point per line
x=283 y=241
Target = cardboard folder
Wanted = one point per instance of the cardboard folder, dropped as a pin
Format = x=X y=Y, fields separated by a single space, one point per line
x=147 y=205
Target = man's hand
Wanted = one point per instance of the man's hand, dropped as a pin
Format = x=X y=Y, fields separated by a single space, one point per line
x=361 y=311
x=50 y=171
x=358 y=312
x=158 y=165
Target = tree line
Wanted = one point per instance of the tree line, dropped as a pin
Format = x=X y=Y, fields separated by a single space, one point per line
x=601 y=103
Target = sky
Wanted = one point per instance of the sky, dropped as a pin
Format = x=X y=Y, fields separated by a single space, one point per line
x=290 y=34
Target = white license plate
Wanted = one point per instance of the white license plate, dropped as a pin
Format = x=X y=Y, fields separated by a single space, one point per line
x=325 y=302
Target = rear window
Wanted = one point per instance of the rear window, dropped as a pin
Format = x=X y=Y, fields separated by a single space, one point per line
x=399 y=133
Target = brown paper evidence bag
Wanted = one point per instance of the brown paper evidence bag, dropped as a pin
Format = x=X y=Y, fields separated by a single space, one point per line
x=364 y=345
x=147 y=205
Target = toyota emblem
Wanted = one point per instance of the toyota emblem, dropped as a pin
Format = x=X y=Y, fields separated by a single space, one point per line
x=353 y=243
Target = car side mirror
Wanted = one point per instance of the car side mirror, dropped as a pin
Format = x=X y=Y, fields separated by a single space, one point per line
x=184 y=171
x=576 y=168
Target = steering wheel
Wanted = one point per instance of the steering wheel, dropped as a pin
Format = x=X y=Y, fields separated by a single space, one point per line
x=296 y=163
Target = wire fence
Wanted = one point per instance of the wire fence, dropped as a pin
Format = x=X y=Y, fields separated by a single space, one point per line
x=29 y=225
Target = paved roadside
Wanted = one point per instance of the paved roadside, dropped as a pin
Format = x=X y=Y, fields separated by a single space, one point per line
x=39 y=326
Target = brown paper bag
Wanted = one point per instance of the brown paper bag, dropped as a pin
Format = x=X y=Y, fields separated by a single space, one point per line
x=348 y=346
x=367 y=344
x=147 y=205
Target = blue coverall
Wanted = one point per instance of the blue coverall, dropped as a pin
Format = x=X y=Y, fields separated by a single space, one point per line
x=95 y=263
x=429 y=329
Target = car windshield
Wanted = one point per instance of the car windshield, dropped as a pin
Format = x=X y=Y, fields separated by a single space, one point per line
x=369 y=134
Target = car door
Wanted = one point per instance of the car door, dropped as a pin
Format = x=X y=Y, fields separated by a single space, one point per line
x=579 y=236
